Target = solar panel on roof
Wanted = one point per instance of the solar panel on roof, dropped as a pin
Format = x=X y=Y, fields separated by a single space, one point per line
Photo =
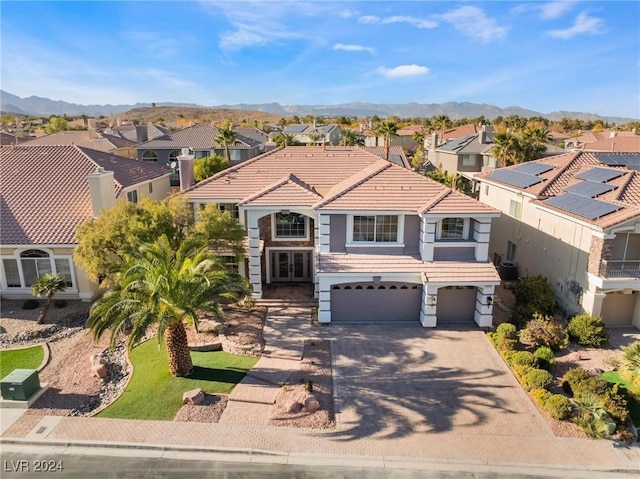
x=630 y=160
x=515 y=178
x=590 y=189
x=453 y=145
x=601 y=175
x=532 y=168
x=295 y=128
x=581 y=206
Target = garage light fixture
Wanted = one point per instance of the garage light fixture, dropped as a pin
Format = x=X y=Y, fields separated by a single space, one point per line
x=489 y=300
x=431 y=299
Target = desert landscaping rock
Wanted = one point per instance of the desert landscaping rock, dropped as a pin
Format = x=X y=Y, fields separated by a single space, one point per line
x=208 y=411
x=195 y=396
x=293 y=406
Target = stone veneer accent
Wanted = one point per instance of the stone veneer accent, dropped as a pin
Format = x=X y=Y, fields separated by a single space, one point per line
x=599 y=250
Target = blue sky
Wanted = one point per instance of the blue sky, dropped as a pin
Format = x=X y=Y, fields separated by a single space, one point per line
x=546 y=56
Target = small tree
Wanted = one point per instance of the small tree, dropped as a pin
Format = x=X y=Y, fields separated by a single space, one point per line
x=204 y=168
x=48 y=285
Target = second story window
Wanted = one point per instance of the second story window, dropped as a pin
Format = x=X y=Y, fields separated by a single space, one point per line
x=290 y=226
x=375 y=229
x=454 y=229
x=149 y=155
x=515 y=209
x=132 y=196
x=231 y=208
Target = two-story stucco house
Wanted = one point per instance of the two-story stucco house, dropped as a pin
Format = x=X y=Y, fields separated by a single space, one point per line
x=46 y=192
x=304 y=134
x=378 y=241
x=575 y=219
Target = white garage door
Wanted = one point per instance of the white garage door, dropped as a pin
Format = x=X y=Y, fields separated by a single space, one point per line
x=359 y=302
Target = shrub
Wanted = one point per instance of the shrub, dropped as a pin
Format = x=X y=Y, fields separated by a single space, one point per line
x=533 y=295
x=545 y=357
x=540 y=396
x=507 y=355
x=581 y=383
x=558 y=406
x=545 y=331
x=629 y=367
x=31 y=304
x=507 y=330
x=521 y=370
x=537 y=379
x=525 y=358
x=506 y=344
x=593 y=419
x=588 y=330
x=60 y=303
x=493 y=339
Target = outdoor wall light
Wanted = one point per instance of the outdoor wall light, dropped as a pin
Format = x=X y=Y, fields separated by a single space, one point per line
x=432 y=300
x=489 y=300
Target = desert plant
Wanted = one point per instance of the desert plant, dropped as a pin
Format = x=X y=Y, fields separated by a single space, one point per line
x=533 y=295
x=580 y=382
x=521 y=370
x=545 y=331
x=47 y=286
x=593 y=419
x=540 y=396
x=629 y=367
x=545 y=357
x=558 y=406
x=588 y=330
x=31 y=304
x=537 y=379
x=523 y=357
x=507 y=330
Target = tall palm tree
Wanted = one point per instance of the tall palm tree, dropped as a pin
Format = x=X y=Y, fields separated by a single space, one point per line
x=225 y=138
x=418 y=137
x=506 y=149
x=387 y=129
x=349 y=137
x=48 y=285
x=441 y=122
x=534 y=140
x=167 y=289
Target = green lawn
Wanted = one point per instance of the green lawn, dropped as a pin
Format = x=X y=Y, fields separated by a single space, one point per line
x=154 y=394
x=634 y=403
x=28 y=358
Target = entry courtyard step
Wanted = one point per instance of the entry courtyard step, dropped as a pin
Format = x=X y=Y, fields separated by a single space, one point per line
x=298 y=303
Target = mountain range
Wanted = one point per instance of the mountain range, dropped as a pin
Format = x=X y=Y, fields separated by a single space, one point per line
x=40 y=106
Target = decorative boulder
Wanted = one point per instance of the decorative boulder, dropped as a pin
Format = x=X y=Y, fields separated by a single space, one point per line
x=311 y=404
x=195 y=396
x=98 y=366
x=293 y=406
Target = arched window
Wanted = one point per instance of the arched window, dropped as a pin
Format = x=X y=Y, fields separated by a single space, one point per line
x=173 y=156
x=149 y=155
x=35 y=263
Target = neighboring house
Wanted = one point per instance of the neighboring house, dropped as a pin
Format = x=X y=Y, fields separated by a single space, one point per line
x=303 y=133
x=254 y=133
x=88 y=139
x=438 y=137
x=617 y=144
x=378 y=241
x=200 y=140
x=575 y=219
x=588 y=138
x=396 y=154
x=46 y=192
x=138 y=133
x=469 y=154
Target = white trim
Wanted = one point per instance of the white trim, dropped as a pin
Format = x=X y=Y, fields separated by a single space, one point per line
x=475 y=216
x=52 y=262
x=377 y=244
x=289 y=238
x=456 y=243
x=466 y=226
x=608 y=284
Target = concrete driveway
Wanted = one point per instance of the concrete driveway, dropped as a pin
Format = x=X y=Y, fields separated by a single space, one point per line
x=403 y=381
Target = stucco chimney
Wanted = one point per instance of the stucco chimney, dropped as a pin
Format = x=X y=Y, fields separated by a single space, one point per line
x=103 y=194
x=434 y=140
x=612 y=133
x=185 y=163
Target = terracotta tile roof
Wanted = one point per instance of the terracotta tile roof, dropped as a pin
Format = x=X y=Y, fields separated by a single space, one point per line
x=410 y=130
x=396 y=154
x=288 y=191
x=437 y=271
x=83 y=138
x=459 y=271
x=344 y=178
x=556 y=135
x=566 y=166
x=453 y=202
x=619 y=144
x=459 y=132
x=45 y=192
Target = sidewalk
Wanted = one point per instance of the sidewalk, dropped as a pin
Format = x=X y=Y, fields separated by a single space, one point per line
x=244 y=433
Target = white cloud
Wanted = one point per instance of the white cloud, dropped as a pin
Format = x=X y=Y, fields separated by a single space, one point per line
x=349 y=13
x=555 y=9
x=583 y=24
x=353 y=48
x=403 y=71
x=472 y=22
x=416 y=22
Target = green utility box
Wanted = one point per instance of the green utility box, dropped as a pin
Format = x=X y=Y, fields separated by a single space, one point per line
x=20 y=384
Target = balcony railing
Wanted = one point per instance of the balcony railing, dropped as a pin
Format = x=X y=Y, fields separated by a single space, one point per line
x=620 y=269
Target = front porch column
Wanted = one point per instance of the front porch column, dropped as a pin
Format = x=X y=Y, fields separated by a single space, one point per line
x=324 y=300
x=427 y=240
x=483 y=315
x=428 y=317
x=481 y=232
x=255 y=274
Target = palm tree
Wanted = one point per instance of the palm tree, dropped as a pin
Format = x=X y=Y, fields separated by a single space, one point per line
x=387 y=129
x=225 y=138
x=534 y=140
x=284 y=139
x=418 y=137
x=315 y=138
x=48 y=285
x=506 y=149
x=441 y=122
x=349 y=137
x=166 y=289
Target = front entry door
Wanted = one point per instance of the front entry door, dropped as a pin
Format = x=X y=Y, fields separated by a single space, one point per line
x=291 y=266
